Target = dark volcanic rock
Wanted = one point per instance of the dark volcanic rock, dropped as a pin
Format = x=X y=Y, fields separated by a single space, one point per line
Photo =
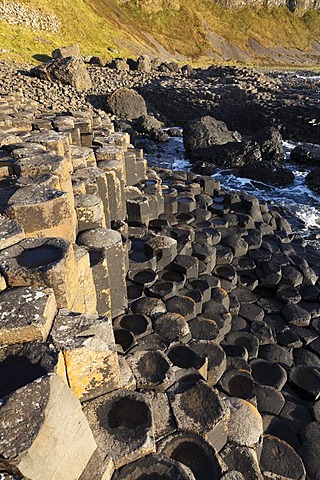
x=265 y=172
x=313 y=180
x=270 y=142
x=306 y=154
x=230 y=155
x=127 y=103
x=203 y=133
x=67 y=70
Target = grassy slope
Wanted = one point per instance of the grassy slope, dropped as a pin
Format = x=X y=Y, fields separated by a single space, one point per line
x=98 y=24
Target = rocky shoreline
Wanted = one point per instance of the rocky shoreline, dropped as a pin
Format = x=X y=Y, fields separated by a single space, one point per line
x=152 y=324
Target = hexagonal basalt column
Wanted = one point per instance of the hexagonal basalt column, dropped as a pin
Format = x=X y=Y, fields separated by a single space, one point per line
x=90 y=214
x=46 y=262
x=155 y=466
x=137 y=206
x=122 y=425
x=88 y=348
x=194 y=452
x=44 y=430
x=107 y=246
x=46 y=163
x=163 y=248
x=87 y=296
x=43 y=212
x=95 y=182
x=26 y=314
x=11 y=232
x=152 y=369
x=114 y=170
x=200 y=409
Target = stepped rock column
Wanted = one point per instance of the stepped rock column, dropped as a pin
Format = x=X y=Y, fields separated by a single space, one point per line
x=44 y=262
x=45 y=434
x=108 y=245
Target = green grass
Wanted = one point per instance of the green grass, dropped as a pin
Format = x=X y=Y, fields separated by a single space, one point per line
x=98 y=24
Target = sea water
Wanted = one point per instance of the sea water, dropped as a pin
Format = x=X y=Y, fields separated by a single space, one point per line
x=297 y=199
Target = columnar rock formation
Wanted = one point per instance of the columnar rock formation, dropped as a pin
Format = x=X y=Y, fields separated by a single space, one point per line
x=151 y=323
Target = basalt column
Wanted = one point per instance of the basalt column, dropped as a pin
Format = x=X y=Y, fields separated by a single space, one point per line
x=109 y=270
x=45 y=262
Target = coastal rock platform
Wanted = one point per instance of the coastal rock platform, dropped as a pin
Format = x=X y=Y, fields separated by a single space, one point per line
x=176 y=323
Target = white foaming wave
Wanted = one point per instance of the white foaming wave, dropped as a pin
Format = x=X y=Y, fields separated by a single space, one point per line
x=181 y=164
x=309 y=215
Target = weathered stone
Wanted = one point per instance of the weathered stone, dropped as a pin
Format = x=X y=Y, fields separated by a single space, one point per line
x=201 y=410
x=67 y=70
x=155 y=465
x=107 y=244
x=269 y=399
x=173 y=327
x=47 y=263
x=44 y=431
x=216 y=358
x=90 y=214
x=99 y=467
x=152 y=369
x=69 y=51
x=194 y=452
x=243 y=460
x=127 y=103
x=43 y=212
x=205 y=132
x=245 y=423
x=238 y=383
x=88 y=349
x=281 y=459
x=163 y=419
x=26 y=314
x=138 y=325
x=122 y=425
x=11 y=232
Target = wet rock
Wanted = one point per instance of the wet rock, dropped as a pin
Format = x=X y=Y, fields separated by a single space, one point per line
x=306 y=154
x=312 y=180
x=270 y=142
x=274 y=173
x=203 y=133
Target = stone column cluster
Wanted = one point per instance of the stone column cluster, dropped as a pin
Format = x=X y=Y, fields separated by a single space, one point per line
x=152 y=324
